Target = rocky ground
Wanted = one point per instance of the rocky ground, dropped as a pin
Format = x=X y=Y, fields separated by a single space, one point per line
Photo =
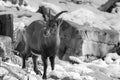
x=95 y=70
x=76 y=68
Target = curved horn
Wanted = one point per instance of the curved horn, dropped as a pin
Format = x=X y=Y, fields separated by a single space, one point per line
x=49 y=15
x=57 y=15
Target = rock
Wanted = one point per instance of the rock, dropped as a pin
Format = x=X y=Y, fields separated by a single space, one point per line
x=2 y=54
x=3 y=71
x=6 y=33
x=76 y=3
x=25 y=3
x=16 y=60
x=21 y=2
x=116 y=10
x=117 y=61
x=14 y=2
x=5 y=44
x=113 y=55
x=81 y=68
x=74 y=76
x=7 y=77
x=71 y=42
x=87 y=78
x=95 y=48
x=83 y=58
x=58 y=73
x=77 y=68
x=108 y=60
x=34 y=77
x=114 y=70
x=25 y=77
x=79 y=1
x=118 y=4
x=107 y=6
x=97 y=75
x=65 y=64
x=111 y=58
x=75 y=60
x=100 y=62
x=98 y=3
x=95 y=39
x=8 y=4
x=11 y=63
x=2 y=3
x=66 y=78
x=29 y=8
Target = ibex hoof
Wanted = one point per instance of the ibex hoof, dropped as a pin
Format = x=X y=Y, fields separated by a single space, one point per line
x=38 y=72
x=44 y=77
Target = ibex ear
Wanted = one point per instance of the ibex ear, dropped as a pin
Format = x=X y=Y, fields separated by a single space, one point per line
x=48 y=16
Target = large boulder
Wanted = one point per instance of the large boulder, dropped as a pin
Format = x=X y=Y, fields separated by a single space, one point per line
x=5 y=47
x=98 y=34
x=6 y=24
x=70 y=41
x=116 y=10
x=98 y=43
x=108 y=6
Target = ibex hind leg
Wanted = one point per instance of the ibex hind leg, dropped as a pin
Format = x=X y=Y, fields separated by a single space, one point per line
x=25 y=54
x=52 y=61
x=35 y=65
x=24 y=58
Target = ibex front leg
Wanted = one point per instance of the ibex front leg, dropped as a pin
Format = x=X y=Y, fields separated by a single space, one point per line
x=24 y=63
x=44 y=59
x=52 y=61
x=35 y=65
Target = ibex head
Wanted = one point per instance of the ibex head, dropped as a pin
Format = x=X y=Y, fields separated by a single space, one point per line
x=52 y=24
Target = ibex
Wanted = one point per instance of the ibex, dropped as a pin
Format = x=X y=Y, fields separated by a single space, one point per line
x=42 y=38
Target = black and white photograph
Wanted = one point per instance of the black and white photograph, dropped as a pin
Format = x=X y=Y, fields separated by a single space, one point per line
x=59 y=39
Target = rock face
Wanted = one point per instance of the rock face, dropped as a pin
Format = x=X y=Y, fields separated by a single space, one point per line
x=20 y=2
x=98 y=37
x=108 y=6
x=6 y=47
x=70 y=41
x=6 y=35
x=98 y=43
x=117 y=8
x=6 y=25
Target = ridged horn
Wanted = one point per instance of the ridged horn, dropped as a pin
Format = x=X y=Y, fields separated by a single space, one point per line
x=49 y=15
x=57 y=15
